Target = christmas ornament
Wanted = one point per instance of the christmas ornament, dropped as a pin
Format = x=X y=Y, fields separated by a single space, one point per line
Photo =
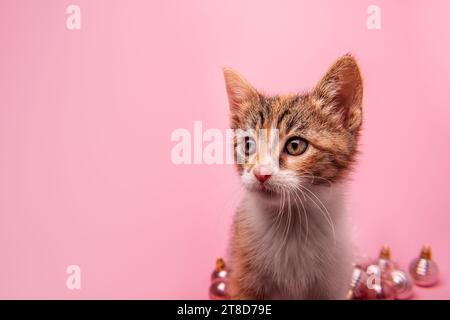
x=384 y=259
x=374 y=271
x=423 y=269
x=218 y=290
x=402 y=285
x=380 y=290
x=219 y=278
x=220 y=271
x=358 y=284
x=378 y=286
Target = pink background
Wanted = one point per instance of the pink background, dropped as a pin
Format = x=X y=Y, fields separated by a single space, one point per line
x=86 y=117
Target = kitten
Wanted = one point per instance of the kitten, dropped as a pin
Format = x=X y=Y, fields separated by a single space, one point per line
x=289 y=235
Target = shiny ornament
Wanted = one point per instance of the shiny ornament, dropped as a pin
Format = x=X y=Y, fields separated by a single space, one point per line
x=423 y=269
x=381 y=290
x=402 y=284
x=385 y=261
x=358 y=284
x=378 y=286
x=218 y=290
x=374 y=271
x=220 y=271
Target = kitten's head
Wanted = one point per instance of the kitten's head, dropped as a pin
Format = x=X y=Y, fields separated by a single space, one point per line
x=284 y=142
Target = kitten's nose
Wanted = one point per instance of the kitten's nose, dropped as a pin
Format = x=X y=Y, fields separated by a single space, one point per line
x=262 y=173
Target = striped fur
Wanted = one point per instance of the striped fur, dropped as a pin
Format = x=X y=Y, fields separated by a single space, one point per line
x=289 y=236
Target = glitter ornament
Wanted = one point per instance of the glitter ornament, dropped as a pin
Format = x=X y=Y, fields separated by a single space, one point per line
x=218 y=290
x=358 y=284
x=402 y=284
x=220 y=271
x=423 y=269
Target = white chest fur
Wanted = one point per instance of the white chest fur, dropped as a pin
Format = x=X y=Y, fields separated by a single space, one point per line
x=302 y=249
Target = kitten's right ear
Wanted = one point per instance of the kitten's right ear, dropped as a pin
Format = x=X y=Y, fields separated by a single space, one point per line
x=239 y=90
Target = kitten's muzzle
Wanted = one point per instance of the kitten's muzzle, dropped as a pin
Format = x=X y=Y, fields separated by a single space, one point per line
x=262 y=172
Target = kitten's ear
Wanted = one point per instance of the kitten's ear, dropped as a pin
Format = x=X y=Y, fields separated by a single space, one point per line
x=239 y=90
x=340 y=92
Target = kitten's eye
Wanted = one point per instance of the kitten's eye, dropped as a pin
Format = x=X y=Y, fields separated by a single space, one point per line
x=249 y=146
x=295 y=146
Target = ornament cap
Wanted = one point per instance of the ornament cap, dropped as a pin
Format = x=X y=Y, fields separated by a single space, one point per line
x=426 y=252
x=385 y=252
x=220 y=264
x=350 y=295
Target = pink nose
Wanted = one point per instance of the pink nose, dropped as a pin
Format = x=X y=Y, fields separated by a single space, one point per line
x=262 y=173
x=262 y=177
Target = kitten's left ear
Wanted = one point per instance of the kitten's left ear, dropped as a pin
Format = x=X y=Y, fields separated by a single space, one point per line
x=340 y=92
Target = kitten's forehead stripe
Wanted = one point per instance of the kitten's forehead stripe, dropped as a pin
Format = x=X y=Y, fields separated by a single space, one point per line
x=282 y=116
x=261 y=119
x=296 y=115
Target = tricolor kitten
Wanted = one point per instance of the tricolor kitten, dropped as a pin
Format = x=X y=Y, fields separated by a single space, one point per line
x=289 y=236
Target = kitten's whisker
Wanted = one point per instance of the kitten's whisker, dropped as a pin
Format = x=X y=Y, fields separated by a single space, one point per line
x=317 y=198
x=330 y=184
x=326 y=213
x=279 y=214
x=295 y=198
x=310 y=175
x=286 y=226
x=288 y=220
x=305 y=214
x=283 y=204
x=322 y=211
x=299 y=214
x=317 y=177
x=289 y=223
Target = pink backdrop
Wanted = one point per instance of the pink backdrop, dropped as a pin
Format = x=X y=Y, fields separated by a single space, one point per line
x=86 y=117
